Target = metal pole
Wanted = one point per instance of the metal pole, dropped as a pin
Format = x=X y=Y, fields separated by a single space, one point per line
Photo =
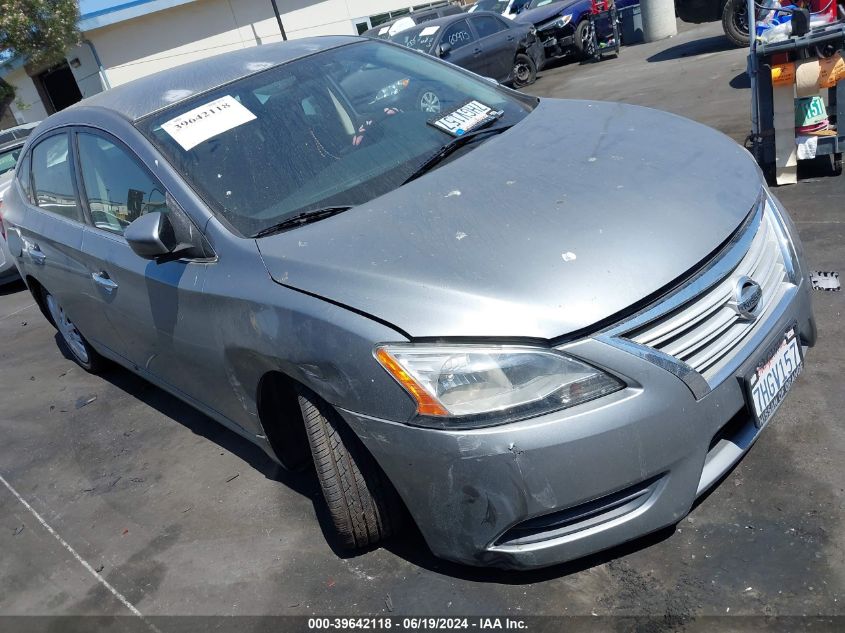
x=279 y=20
x=753 y=77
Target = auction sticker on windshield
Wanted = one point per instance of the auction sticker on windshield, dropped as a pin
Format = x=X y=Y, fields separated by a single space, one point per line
x=200 y=124
x=465 y=117
x=768 y=385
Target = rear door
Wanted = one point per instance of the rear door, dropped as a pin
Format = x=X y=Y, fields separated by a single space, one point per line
x=466 y=51
x=51 y=230
x=499 y=43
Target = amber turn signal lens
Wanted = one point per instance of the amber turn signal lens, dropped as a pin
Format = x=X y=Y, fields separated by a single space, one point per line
x=426 y=404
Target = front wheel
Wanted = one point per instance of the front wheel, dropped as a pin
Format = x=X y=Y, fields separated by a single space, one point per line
x=585 y=40
x=524 y=71
x=362 y=504
x=735 y=22
x=80 y=350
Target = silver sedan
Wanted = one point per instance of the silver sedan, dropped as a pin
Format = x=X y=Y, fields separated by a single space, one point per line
x=536 y=328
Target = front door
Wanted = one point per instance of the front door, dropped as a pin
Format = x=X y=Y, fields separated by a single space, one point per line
x=156 y=309
x=499 y=44
x=465 y=49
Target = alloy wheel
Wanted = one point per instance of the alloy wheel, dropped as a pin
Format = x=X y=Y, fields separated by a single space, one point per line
x=67 y=329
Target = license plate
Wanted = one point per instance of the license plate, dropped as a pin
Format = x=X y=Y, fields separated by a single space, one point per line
x=774 y=376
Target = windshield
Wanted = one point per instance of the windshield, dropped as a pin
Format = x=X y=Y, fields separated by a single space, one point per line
x=8 y=159
x=533 y=4
x=340 y=127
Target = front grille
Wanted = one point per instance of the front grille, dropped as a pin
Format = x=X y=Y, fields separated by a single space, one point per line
x=705 y=331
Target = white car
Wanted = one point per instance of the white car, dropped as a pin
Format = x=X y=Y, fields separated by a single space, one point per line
x=508 y=8
x=11 y=143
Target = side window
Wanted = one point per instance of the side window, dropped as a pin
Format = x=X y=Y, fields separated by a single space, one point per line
x=24 y=178
x=117 y=188
x=53 y=179
x=487 y=25
x=458 y=34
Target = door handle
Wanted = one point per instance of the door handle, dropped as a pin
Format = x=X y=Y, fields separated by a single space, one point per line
x=477 y=51
x=511 y=38
x=103 y=280
x=34 y=253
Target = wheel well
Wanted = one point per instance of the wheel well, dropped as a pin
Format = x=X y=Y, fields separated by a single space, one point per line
x=37 y=292
x=281 y=418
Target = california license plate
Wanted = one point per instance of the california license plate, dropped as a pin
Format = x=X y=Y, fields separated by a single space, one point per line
x=774 y=376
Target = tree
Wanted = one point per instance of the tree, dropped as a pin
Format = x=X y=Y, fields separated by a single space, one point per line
x=40 y=31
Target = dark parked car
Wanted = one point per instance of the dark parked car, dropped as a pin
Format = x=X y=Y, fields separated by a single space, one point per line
x=732 y=13
x=483 y=42
x=564 y=26
x=385 y=30
x=537 y=353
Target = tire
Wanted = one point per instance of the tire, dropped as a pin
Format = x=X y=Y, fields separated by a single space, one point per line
x=735 y=22
x=585 y=41
x=524 y=71
x=363 y=506
x=70 y=338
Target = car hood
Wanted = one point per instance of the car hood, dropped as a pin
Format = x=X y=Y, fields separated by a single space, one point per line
x=573 y=215
x=547 y=12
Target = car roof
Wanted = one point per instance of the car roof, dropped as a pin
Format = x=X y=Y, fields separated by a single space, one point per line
x=448 y=19
x=136 y=99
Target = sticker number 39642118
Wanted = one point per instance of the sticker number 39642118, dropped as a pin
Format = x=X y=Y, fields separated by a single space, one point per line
x=200 y=124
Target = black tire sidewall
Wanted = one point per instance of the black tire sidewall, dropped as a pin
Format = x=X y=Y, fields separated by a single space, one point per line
x=532 y=75
x=737 y=37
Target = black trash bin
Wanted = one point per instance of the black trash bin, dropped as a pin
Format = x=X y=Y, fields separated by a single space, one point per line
x=632 y=25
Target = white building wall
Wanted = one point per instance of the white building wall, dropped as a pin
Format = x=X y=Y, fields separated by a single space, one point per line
x=197 y=30
x=27 y=106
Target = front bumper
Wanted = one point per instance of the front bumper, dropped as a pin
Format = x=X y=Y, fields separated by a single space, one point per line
x=614 y=469
x=558 y=42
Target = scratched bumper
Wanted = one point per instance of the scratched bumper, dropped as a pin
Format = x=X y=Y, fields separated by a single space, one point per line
x=469 y=490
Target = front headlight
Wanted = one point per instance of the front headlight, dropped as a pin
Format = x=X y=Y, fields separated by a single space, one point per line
x=790 y=244
x=559 y=23
x=482 y=385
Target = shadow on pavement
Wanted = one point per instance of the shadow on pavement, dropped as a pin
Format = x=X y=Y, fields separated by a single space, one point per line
x=12 y=287
x=715 y=44
x=741 y=82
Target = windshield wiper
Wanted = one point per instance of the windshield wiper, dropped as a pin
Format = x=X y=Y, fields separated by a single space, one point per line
x=451 y=147
x=306 y=217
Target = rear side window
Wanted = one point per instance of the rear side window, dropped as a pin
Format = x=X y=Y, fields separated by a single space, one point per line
x=24 y=178
x=52 y=177
x=117 y=188
x=458 y=34
x=488 y=25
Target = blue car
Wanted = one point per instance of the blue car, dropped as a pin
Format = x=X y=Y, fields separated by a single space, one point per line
x=564 y=26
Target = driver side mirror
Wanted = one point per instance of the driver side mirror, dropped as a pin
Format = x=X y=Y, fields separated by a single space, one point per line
x=165 y=236
x=444 y=49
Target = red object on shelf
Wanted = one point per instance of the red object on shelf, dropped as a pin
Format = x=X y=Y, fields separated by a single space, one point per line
x=824 y=7
x=598 y=6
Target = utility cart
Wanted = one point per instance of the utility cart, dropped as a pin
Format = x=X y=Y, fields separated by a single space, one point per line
x=604 y=28
x=775 y=71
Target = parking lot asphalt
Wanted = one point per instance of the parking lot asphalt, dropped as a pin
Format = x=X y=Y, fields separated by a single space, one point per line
x=179 y=516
